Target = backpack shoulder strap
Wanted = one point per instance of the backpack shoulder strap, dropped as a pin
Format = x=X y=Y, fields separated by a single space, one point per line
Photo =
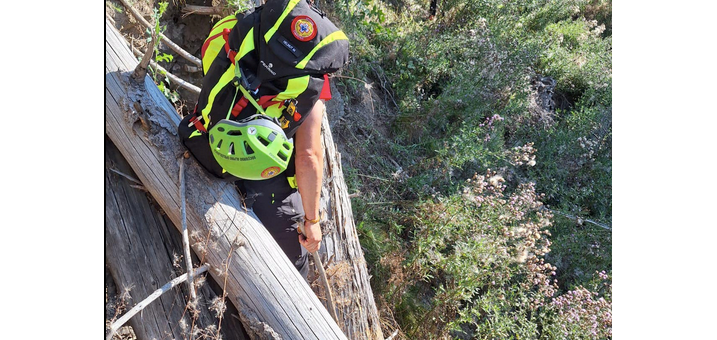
x=298 y=39
x=216 y=41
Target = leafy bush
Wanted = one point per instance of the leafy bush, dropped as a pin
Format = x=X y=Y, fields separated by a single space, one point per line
x=481 y=254
x=459 y=259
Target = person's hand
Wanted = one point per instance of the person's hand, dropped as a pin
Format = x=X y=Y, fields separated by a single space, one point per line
x=310 y=236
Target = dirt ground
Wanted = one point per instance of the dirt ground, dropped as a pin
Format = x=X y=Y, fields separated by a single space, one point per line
x=355 y=114
x=187 y=31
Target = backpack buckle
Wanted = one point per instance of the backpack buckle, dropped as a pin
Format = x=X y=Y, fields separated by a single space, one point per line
x=196 y=121
x=245 y=82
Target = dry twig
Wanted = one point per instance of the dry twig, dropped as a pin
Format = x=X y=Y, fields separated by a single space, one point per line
x=325 y=281
x=141 y=70
x=185 y=234
x=580 y=220
x=126 y=176
x=203 y=10
x=183 y=83
x=144 y=303
x=164 y=39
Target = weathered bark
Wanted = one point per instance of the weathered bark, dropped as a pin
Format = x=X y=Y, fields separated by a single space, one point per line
x=141 y=247
x=272 y=298
x=347 y=272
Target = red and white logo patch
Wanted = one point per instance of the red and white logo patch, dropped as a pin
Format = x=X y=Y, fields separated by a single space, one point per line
x=303 y=28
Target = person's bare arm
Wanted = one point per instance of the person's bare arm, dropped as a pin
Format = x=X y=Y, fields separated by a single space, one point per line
x=309 y=174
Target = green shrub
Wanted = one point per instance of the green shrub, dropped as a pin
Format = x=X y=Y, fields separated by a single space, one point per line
x=448 y=263
x=479 y=255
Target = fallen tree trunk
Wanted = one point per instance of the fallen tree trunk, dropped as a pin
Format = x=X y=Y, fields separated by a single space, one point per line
x=141 y=247
x=271 y=297
x=348 y=275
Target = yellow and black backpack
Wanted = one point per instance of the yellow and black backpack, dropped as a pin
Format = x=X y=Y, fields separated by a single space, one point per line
x=273 y=60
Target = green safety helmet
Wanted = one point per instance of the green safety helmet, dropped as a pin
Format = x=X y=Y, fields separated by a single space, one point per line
x=255 y=148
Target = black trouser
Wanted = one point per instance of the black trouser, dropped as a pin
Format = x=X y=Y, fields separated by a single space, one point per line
x=278 y=207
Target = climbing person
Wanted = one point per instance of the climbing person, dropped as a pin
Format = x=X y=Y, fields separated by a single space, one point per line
x=258 y=118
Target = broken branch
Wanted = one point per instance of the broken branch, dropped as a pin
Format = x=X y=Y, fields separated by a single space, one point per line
x=144 y=303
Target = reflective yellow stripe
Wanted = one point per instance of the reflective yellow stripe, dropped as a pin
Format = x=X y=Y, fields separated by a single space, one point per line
x=223 y=21
x=274 y=111
x=338 y=35
x=288 y=9
x=216 y=45
x=247 y=45
x=223 y=81
x=292 y=182
x=195 y=134
x=294 y=87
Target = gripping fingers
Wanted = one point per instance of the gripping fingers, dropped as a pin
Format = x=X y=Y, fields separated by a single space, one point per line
x=310 y=242
x=311 y=246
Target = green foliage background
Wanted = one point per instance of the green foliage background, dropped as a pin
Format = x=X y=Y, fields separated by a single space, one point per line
x=487 y=210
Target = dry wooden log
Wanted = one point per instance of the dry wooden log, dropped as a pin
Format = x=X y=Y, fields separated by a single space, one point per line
x=347 y=273
x=140 y=249
x=268 y=291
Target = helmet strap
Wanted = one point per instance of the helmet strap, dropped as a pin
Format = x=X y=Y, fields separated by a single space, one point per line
x=232 y=106
x=260 y=116
x=249 y=97
x=238 y=83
